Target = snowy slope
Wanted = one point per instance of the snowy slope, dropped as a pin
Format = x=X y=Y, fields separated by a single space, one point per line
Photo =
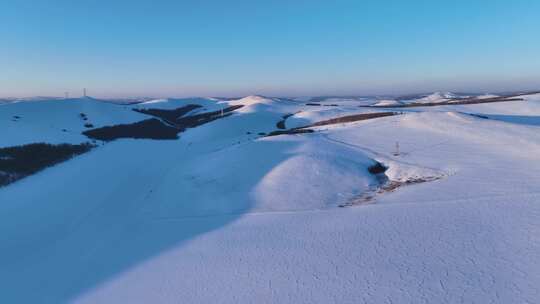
x=357 y=101
x=63 y=120
x=388 y=102
x=58 y=121
x=526 y=112
x=470 y=236
x=264 y=104
x=306 y=116
x=223 y=214
x=433 y=98
x=173 y=103
x=485 y=96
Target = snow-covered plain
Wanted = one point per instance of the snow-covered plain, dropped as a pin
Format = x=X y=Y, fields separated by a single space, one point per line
x=224 y=215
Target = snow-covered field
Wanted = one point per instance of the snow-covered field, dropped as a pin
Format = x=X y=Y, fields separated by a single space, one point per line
x=226 y=215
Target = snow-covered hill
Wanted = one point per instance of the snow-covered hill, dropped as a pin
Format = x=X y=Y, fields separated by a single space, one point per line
x=58 y=121
x=436 y=204
x=434 y=98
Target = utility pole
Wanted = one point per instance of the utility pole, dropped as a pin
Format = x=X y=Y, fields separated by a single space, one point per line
x=84 y=92
x=397 y=149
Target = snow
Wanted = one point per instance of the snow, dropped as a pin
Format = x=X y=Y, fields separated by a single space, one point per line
x=486 y=96
x=256 y=104
x=173 y=103
x=348 y=101
x=58 y=120
x=306 y=117
x=388 y=102
x=337 y=101
x=301 y=181
x=252 y=100
x=526 y=112
x=433 y=253
x=223 y=214
x=531 y=97
x=433 y=98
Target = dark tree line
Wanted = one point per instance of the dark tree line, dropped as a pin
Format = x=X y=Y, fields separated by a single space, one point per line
x=19 y=161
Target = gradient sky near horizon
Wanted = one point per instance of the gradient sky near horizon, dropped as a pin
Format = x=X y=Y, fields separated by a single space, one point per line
x=120 y=48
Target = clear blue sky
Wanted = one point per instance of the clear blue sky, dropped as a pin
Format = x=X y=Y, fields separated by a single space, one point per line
x=273 y=47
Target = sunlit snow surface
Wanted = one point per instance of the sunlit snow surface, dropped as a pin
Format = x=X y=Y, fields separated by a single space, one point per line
x=225 y=215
